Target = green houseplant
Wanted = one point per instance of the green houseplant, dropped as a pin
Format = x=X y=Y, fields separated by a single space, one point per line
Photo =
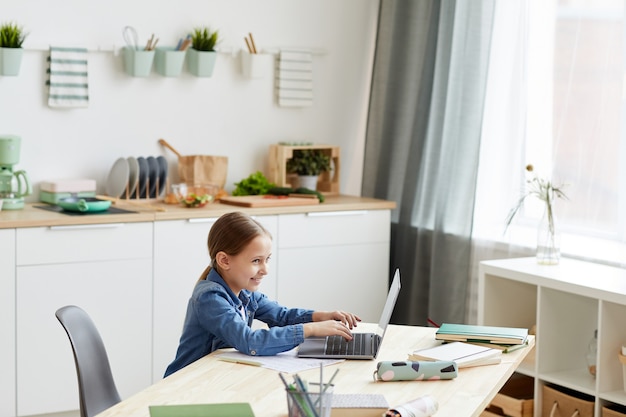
x=11 y=38
x=203 y=39
x=202 y=55
x=308 y=164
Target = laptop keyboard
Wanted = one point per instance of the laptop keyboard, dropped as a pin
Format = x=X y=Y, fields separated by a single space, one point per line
x=337 y=345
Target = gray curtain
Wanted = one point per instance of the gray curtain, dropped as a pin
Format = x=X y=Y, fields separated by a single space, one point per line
x=422 y=145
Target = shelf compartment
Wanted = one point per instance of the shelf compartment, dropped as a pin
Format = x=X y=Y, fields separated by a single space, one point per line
x=611 y=337
x=515 y=399
x=508 y=303
x=567 y=324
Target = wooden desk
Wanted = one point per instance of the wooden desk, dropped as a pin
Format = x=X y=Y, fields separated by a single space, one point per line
x=210 y=380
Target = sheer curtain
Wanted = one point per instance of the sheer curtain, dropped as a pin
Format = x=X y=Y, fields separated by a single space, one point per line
x=423 y=145
x=464 y=96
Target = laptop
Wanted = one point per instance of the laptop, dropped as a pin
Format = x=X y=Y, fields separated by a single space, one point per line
x=363 y=345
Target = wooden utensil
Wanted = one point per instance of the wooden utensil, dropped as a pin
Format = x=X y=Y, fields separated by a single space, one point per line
x=168 y=146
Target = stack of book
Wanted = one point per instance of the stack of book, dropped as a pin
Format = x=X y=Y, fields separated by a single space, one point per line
x=464 y=354
x=472 y=345
x=504 y=336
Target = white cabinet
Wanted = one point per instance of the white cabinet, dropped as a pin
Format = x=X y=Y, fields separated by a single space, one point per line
x=335 y=260
x=106 y=270
x=180 y=256
x=134 y=280
x=567 y=302
x=7 y=323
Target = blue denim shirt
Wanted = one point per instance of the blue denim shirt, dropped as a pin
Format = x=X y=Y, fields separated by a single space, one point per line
x=214 y=321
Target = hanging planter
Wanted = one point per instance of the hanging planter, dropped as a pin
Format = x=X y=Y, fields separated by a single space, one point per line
x=11 y=38
x=201 y=56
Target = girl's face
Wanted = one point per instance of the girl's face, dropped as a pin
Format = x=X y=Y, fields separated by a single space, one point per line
x=247 y=269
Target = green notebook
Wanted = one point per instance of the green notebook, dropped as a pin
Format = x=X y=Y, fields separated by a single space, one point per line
x=202 y=410
x=484 y=334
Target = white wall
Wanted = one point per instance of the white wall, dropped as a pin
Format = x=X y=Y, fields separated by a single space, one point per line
x=222 y=115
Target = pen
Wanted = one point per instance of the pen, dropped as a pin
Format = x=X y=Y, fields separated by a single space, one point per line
x=242 y=361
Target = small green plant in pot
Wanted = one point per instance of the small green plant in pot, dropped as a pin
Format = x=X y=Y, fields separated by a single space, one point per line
x=308 y=164
x=11 y=38
x=201 y=57
x=203 y=39
x=11 y=35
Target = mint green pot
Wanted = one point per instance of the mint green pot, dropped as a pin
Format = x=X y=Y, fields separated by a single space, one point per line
x=10 y=61
x=138 y=63
x=201 y=63
x=168 y=61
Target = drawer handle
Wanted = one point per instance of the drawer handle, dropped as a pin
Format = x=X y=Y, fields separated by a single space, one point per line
x=203 y=220
x=337 y=213
x=88 y=226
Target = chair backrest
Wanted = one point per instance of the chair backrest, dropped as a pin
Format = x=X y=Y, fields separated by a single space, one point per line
x=96 y=386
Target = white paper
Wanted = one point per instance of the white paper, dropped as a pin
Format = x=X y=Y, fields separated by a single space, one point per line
x=287 y=362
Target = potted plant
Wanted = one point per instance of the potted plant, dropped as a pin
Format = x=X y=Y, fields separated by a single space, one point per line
x=308 y=164
x=11 y=38
x=201 y=57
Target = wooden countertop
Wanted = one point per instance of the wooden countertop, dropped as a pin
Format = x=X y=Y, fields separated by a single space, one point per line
x=151 y=210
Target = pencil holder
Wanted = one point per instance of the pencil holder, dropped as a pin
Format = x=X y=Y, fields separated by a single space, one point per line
x=311 y=402
x=255 y=66
x=168 y=61
x=138 y=63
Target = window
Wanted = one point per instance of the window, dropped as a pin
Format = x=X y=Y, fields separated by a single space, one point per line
x=561 y=108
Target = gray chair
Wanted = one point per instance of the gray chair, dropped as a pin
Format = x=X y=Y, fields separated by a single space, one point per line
x=96 y=386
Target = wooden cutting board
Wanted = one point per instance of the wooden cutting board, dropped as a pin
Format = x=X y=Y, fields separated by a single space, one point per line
x=268 y=201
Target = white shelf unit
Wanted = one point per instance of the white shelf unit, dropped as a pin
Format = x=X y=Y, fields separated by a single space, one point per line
x=567 y=303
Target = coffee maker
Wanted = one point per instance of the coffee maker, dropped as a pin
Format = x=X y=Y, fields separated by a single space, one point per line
x=14 y=185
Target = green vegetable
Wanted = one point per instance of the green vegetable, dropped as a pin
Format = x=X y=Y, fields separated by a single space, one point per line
x=255 y=184
x=303 y=190
x=280 y=191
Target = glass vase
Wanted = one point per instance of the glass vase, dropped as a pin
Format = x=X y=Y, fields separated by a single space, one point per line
x=548 y=239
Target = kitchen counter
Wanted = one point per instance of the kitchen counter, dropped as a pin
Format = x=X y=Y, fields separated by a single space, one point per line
x=31 y=216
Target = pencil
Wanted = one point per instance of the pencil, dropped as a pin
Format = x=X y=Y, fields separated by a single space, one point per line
x=248 y=45
x=252 y=43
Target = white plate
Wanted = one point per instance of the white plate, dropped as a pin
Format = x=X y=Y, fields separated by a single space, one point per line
x=133 y=175
x=118 y=178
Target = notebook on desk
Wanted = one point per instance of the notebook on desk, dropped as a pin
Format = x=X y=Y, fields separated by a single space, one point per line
x=363 y=345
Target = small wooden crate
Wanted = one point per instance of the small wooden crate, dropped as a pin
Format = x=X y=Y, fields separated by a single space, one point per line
x=614 y=411
x=515 y=399
x=567 y=401
x=328 y=182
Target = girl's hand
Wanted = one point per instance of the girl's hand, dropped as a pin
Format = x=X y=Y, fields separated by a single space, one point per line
x=327 y=328
x=348 y=319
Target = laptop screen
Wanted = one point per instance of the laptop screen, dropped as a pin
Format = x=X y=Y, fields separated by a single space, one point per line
x=385 y=317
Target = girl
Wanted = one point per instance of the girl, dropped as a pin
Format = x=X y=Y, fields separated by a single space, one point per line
x=225 y=300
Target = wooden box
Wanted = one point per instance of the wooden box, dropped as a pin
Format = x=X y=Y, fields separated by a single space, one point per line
x=614 y=411
x=566 y=402
x=515 y=399
x=328 y=182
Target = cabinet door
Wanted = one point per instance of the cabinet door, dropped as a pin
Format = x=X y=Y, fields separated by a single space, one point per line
x=7 y=324
x=180 y=256
x=116 y=293
x=117 y=296
x=335 y=261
